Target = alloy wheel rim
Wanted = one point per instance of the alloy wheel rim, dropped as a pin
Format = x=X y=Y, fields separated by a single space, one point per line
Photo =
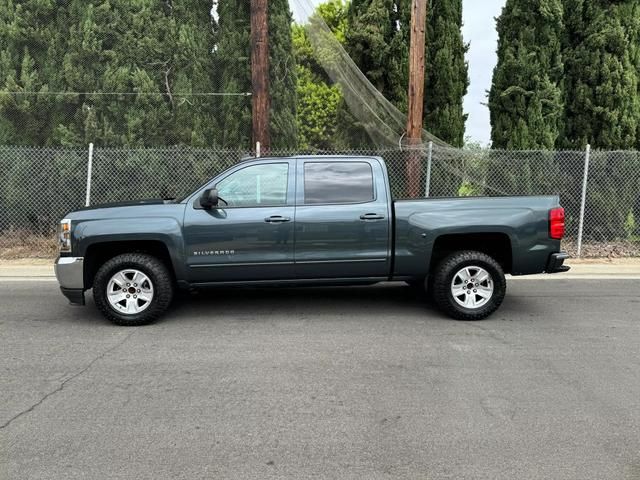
x=472 y=287
x=130 y=291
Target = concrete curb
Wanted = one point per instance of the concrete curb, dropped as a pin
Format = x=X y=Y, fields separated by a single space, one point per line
x=630 y=268
x=26 y=271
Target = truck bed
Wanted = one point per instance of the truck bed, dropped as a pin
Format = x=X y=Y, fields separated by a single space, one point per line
x=523 y=220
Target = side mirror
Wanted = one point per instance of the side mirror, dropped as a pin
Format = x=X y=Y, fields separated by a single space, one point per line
x=209 y=198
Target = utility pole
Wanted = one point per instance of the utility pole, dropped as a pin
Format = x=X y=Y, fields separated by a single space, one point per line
x=416 y=93
x=260 y=74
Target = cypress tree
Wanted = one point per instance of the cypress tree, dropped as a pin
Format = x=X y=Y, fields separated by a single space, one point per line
x=31 y=46
x=282 y=72
x=152 y=47
x=233 y=66
x=602 y=106
x=446 y=83
x=446 y=79
x=377 y=40
x=525 y=99
x=233 y=63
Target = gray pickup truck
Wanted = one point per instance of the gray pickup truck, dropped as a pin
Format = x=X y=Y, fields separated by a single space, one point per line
x=308 y=220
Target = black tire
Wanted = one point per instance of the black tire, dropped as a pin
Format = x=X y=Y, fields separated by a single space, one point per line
x=157 y=272
x=443 y=277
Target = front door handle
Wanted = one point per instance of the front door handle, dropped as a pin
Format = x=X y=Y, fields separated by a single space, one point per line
x=277 y=219
x=371 y=216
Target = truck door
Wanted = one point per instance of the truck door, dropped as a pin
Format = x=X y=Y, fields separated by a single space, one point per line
x=251 y=237
x=342 y=220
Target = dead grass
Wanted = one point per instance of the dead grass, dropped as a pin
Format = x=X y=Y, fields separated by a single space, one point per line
x=24 y=245
x=604 y=250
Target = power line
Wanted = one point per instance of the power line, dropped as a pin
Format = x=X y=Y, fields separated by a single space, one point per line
x=197 y=94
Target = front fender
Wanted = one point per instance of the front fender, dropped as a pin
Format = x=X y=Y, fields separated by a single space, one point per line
x=166 y=230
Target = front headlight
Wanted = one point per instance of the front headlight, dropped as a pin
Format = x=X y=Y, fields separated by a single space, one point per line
x=64 y=235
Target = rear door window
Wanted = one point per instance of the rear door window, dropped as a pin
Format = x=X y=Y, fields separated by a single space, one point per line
x=338 y=182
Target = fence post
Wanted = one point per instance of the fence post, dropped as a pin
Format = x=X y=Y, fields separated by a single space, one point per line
x=427 y=188
x=89 y=170
x=257 y=149
x=584 y=198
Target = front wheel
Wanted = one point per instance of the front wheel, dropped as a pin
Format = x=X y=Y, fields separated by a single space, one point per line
x=469 y=285
x=133 y=289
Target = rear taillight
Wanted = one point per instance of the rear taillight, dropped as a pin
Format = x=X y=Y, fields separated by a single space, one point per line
x=556 y=223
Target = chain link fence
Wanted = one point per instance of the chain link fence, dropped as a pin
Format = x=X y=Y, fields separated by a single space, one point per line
x=38 y=186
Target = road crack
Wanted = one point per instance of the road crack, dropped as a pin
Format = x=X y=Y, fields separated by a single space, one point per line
x=65 y=382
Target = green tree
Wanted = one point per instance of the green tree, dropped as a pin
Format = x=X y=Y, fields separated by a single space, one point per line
x=446 y=79
x=30 y=49
x=152 y=49
x=282 y=72
x=378 y=37
x=318 y=104
x=446 y=83
x=233 y=63
x=525 y=99
x=319 y=100
x=377 y=40
x=602 y=105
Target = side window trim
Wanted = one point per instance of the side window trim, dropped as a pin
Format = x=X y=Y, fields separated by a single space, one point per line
x=301 y=192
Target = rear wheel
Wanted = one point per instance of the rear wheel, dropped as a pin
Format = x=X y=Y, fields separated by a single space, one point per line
x=133 y=289
x=469 y=285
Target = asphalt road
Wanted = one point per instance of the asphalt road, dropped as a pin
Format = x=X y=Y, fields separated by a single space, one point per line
x=355 y=383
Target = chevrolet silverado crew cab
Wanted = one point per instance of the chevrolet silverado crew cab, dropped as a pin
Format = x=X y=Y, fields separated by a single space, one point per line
x=308 y=220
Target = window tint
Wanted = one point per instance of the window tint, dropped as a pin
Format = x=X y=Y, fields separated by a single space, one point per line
x=255 y=186
x=338 y=182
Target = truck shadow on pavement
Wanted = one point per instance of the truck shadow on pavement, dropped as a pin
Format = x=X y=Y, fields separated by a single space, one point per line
x=381 y=301
x=377 y=300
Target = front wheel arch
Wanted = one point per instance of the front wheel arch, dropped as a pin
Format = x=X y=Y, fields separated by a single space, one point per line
x=97 y=254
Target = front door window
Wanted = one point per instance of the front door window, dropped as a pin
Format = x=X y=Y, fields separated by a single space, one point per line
x=256 y=186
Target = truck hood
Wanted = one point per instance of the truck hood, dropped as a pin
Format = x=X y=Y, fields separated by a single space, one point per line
x=130 y=203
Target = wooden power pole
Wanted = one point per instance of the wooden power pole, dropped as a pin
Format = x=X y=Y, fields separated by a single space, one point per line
x=416 y=93
x=260 y=74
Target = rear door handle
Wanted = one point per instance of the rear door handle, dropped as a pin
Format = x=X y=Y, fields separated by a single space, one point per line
x=277 y=219
x=371 y=216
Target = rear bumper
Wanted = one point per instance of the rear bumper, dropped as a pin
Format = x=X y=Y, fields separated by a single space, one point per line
x=556 y=263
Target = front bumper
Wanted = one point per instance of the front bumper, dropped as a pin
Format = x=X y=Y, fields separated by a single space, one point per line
x=70 y=275
x=556 y=263
x=74 y=295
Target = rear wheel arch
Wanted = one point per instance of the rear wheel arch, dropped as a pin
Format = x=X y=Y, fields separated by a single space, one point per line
x=497 y=245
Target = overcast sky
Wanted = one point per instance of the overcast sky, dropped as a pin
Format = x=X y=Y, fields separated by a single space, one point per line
x=479 y=29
